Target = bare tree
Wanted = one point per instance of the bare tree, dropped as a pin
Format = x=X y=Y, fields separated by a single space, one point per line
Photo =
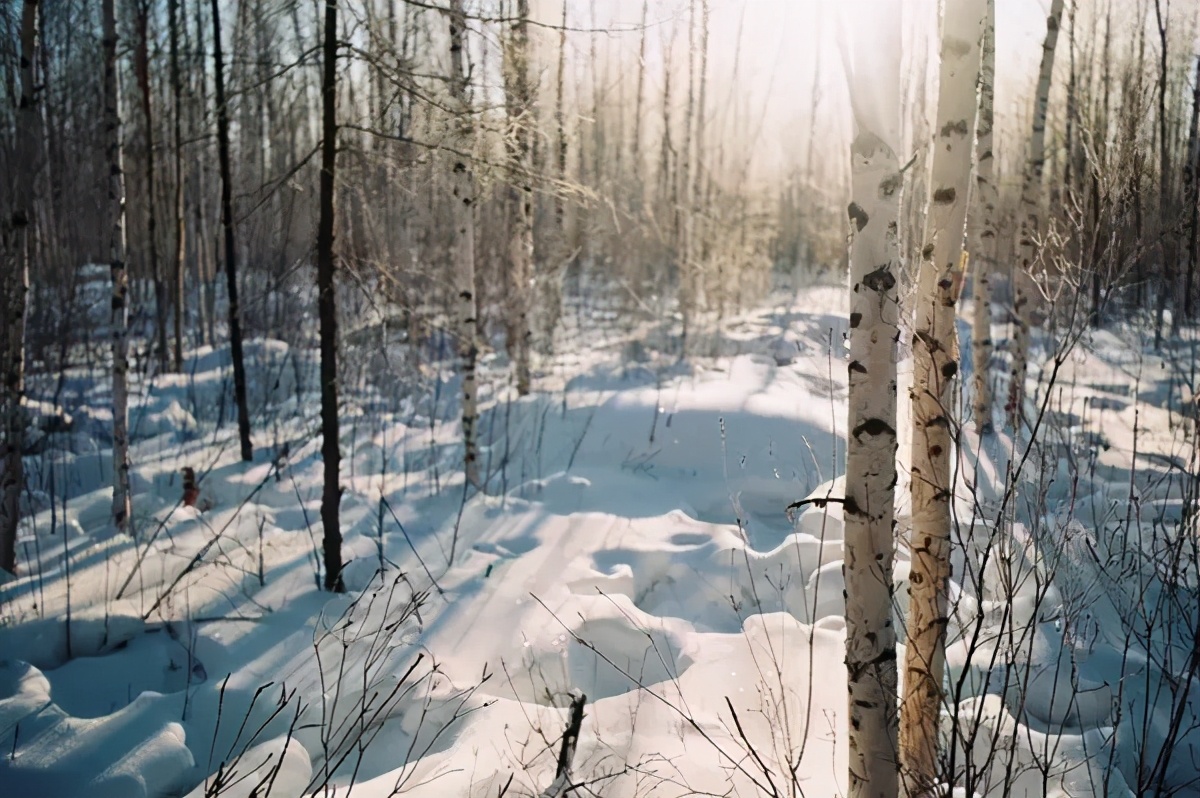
x=142 y=68
x=463 y=189
x=122 y=506
x=173 y=22
x=1191 y=182
x=935 y=371
x=17 y=245
x=521 y=117
x=554 y=265
x=1166 y=239
x=982 y=229
x=1030 y=229
x=331 y=494
x=227 y=223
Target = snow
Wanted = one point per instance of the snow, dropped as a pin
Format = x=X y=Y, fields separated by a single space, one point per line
x=634 y=544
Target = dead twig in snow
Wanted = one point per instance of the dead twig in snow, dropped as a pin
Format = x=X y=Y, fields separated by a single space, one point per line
x=562 y=775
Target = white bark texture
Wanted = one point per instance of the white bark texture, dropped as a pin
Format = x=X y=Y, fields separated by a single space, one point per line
x=119 y=320
x=520 y=244
x=982 y=227
x=872 y=62
x=463 y=186
x=871 y=468
x=14 y=290
x=935 y=370
x=1029 y=229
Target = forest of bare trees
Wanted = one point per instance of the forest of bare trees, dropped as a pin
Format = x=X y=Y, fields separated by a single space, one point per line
x=411 y=190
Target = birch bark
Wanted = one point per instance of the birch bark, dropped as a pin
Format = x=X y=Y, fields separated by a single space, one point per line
x=463 y=187
x=935 y=371
x=871 y=443
x=122 y=505
x=982 y=226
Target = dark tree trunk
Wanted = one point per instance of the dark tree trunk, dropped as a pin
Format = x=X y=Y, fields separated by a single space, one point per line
x=14 y=289
x=142 y=66
x=1191 y=180
x=180 y=228
x=327 y=310
x=235 y=322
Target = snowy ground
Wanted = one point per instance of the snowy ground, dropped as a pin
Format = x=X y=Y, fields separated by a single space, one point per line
x=634 y=545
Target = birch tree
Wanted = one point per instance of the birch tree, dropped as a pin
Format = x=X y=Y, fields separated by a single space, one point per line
x=935 y=369
x=331 y=494
x=520 y=242
x=1027 y=239
x=463 y=187
x=122 y=504
x=871 y=445
x=227 y=224
x=982 y=227
x=17 y=246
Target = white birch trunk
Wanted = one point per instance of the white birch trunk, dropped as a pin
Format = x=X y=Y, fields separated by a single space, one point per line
x=871 y=467
x=935 y=370
x=122 y=506
x=1029 y=230
x=463 y=186
x=14 y=290
x=872 y=67
x=982 y=227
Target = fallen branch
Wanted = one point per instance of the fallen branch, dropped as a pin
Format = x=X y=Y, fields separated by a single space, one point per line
x=562 y=775
x=820 y=501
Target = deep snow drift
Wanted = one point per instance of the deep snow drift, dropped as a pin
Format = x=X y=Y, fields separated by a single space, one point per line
x=635 y=544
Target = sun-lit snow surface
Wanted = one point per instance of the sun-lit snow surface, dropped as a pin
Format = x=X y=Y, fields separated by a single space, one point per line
x=634 y=545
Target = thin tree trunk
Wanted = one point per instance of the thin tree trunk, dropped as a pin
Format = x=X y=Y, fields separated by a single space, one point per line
x=1191 y=180
x=520 y=244
x=227 y=222
x=550 y=281
x=122 y=506
x=1166 y=234
x=666 y=198
x=871 y=468
x=14 y=290
x=177 y=144
x=331 y=494
x=1102 y=157
x=639 y=194
x=463 y=187
x=983 y=228
x=142 y=67
x=682 y=206
x=1028 y=239
x=205 y=245
x=935 y=371
x=699 y=175
x=1139 y=267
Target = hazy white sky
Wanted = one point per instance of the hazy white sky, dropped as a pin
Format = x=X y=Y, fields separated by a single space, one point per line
x=773 y=48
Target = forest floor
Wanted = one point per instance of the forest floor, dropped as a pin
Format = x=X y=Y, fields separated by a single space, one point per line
x=634 y=544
